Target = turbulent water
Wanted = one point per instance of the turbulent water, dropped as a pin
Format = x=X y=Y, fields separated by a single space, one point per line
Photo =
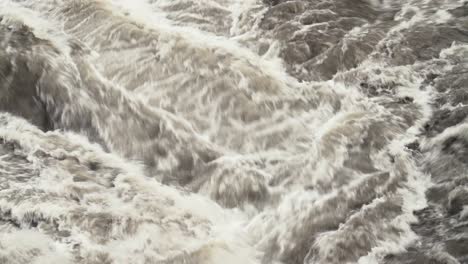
x=233 y=131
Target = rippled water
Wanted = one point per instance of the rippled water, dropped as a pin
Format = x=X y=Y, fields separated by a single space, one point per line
x=233 y=131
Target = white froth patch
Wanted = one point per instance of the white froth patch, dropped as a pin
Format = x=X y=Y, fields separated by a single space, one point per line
x=413 y=199
x=42 y=28
x=171 y=34
x=442 y=16
x=27 y=246
x=464 y=213
x=216 y=239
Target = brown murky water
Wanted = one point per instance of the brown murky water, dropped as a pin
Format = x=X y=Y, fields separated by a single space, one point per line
x=233 y=131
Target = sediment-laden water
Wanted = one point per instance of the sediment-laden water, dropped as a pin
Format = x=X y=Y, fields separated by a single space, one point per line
x=233 y=131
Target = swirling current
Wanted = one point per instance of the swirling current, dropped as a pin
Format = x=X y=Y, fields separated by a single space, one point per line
x=233 y=131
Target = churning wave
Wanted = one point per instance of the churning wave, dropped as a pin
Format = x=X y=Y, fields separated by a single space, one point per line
x=233 y=131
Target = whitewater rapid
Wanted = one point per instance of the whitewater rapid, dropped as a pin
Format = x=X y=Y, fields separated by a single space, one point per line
x=231 y=131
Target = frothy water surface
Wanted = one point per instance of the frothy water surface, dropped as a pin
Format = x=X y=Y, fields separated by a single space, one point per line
x=233 y=131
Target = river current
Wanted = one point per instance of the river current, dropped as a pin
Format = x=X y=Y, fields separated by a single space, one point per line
x=233 y=131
